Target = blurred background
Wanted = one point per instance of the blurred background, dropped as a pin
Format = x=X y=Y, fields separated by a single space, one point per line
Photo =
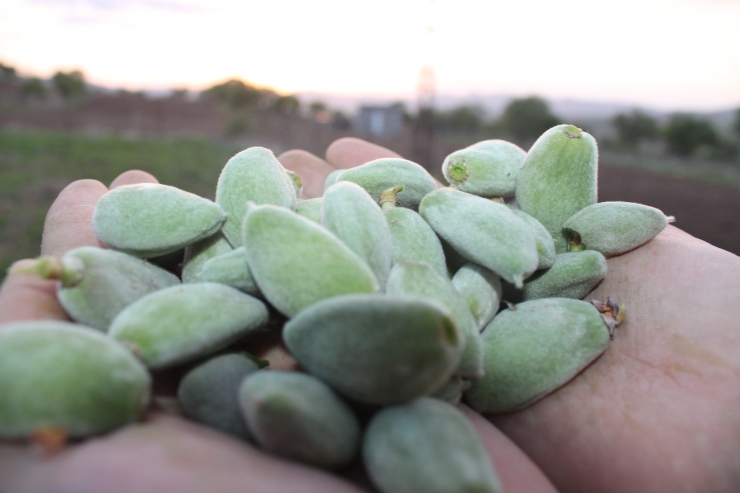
x=91 y=88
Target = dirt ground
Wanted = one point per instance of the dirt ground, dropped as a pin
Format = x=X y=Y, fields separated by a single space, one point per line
x=709 y=212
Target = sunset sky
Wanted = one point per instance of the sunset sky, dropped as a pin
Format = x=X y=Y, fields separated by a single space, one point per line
x=663 y=54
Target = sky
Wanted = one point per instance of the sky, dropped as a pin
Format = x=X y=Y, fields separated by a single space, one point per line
x=661 y=54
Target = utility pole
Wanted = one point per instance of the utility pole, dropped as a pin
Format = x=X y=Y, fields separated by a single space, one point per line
x=423 y=135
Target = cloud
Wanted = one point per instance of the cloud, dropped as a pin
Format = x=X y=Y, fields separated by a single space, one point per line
x=168 y=5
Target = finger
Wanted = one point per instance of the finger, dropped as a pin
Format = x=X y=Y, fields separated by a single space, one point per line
x=517 y=472
x=349 y=152
x=132 y=177
x=68 y=223
x=164 y=454
x=312 y=169
x=29 y=297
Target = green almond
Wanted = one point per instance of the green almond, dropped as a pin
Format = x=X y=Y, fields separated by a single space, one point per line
x=253 y=175
x=310 y=209
x=297 y=263
x=199 y=253
x=209 y=393
x=354 y=217
x=377 y=349
x=231 y=269
x=297 y=416
x=487 y=169
x=381 y=174
x=558 y=179
x=150 y=220
x=415 y=278
x=98 y=283
x=481 y=290
x=483 y=231
x=413 y=239
x=572 y=275
x=533 y=350
x=614 y=228
x=331 y=178
x=183 y=323
x=543 y=238
x=427 y=446
x=66 y=376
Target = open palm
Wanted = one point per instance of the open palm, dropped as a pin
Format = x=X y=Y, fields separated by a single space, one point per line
x=658 y=412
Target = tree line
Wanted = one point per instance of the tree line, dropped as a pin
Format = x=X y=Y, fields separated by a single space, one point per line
x=525 y=119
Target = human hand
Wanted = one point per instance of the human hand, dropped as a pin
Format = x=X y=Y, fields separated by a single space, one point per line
x=165 y=452
x=659 y=410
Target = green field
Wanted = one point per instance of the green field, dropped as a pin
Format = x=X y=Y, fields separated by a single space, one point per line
x=35 y=167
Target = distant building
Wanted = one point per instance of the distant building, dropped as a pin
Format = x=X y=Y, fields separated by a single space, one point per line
x=379 y=120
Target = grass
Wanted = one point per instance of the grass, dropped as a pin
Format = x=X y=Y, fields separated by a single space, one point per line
x=35 y=167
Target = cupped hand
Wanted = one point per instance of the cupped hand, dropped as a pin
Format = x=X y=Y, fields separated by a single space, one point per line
x=165 y=452
x=660 y=410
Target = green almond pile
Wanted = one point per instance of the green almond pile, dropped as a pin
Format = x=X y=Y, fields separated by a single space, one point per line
x=387 y=291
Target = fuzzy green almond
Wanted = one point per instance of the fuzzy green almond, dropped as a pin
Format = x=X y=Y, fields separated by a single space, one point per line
x=377 y=349
x=572 y=275
x=253 y=175
x=183 y=323
x=296 y=415
x=381 y=174
x=310 y=209
x=354 y=217
x=614 y=228
x=415 y=278
x=427 y=446
x=199 y=253
x=231 y=269
x=543 y=238
x=481 y=290
x=68 y=377
x=150 y=220
x=331 y=179
x=558 y=179
x=483 y=231
x=95 y=284
x=533 y=350
x=297 y=263
x=487 y=169
x=411 y=237
x=209 y=393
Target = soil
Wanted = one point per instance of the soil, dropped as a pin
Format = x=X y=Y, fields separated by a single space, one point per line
x=707 y=211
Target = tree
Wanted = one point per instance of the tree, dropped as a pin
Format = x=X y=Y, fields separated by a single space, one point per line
x=462 y=119
x=528 y=118
x=33 y=88
x=684 y=134
x=8 y=73
x=69 y=84
x=340 y=121
x=635 y=127
x=286 y=105
x=235 y=93
x=737 y=123
x=317 y=106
